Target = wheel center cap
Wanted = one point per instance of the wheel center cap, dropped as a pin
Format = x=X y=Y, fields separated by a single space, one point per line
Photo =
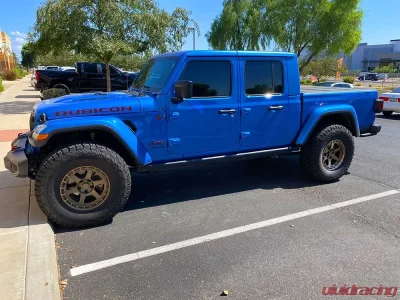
x=85 y=186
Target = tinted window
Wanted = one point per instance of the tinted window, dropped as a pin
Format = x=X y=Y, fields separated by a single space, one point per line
x=90 y=68
x=210 y=78
x=113 y=71
x=263 y=77
x=324 y=84
x=342 y=85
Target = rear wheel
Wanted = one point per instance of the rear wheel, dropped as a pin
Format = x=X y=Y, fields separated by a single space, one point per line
x=328 y=154
x=82 y=185
x=387 y=113
x=63 y=87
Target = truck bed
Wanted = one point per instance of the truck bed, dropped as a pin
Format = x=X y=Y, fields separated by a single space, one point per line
x=307 y=89
x=362 y=100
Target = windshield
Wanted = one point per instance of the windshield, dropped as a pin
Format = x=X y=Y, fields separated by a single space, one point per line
x=154 y=73
x=396 y=90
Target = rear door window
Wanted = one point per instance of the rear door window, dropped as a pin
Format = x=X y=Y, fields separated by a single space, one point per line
x=263 y=77
x=90 y=68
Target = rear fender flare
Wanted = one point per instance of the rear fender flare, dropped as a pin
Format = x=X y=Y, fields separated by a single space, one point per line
x=113 y=125
x=318 y=114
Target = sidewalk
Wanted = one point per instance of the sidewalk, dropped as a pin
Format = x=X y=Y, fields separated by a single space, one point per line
x=27 y=250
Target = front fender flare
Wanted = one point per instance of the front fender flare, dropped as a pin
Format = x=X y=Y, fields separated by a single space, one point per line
x=321 y=112
x=113 y=125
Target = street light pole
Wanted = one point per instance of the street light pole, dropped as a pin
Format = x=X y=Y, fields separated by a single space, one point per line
x=194 y=37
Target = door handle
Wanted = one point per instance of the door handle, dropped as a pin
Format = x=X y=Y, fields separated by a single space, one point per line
x=279 y=107
x=227 y=111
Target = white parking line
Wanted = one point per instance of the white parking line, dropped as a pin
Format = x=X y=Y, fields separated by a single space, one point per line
x=222 y=234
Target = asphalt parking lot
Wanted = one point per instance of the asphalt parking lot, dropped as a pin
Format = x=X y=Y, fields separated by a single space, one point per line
x=187 y=234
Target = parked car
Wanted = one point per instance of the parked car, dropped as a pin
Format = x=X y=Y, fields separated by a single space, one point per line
x=369 y=76
x=185 y=108
x=335 y=84
x=86 y=77
x=391 y=102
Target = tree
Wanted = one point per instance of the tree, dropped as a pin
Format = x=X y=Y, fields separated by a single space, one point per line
x=237 y=27
x=386 y=69
x=103 y=28
x=322 y=67
x=28 y=55
x=305 y=27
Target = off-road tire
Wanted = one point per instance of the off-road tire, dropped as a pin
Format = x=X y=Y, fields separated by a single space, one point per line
x=311 y=153
x=59 y=163
x=387 y=113
x=62 y=86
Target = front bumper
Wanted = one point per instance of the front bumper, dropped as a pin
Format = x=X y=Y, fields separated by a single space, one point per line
x=16 y=161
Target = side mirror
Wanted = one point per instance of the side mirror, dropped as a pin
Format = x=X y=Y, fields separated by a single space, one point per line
x=183 y=90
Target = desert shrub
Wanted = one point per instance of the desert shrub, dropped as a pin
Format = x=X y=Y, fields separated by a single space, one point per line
x=53 y=93
x=323 y=79
x=358 y=84
x=302 y=81
x=348 y=79
x=9 y=75
x=308 y=81
x=1 y=88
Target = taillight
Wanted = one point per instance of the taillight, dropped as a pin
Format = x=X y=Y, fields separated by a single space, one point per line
x=37 y=75
x=378 y=106
x=384 y=98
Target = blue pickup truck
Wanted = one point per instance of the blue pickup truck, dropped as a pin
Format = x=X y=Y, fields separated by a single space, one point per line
x=185 y=108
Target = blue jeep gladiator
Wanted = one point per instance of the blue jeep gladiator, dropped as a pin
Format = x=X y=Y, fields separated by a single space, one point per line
x=185 y=108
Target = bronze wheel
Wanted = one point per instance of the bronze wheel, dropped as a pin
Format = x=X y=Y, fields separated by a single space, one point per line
x=85 y=188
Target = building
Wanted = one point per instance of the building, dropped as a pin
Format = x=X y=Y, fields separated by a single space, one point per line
x=6 y=56
x=366 y=57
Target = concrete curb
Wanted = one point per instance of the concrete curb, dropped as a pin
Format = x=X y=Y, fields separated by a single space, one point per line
x=42 y=280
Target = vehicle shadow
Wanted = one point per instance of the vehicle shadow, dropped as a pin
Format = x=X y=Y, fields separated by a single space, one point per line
x=392 y=117
x=30 y=90
x=27 y=96
x=195 y=183
x=17 y=107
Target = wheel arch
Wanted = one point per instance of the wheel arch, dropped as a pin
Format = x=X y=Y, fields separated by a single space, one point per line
x=345 y=117
x=113 y=133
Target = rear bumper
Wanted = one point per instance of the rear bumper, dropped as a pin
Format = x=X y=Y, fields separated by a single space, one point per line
x=16 y=161
x=372 y=130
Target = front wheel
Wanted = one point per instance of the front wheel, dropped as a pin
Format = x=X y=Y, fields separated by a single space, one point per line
x=328 y=154
x=82 y=185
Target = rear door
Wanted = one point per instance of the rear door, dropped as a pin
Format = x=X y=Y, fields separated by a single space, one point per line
x=266 y=117
x=87 y=72
x=208 y=123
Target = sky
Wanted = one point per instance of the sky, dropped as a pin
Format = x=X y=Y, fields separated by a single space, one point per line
x=380 y=24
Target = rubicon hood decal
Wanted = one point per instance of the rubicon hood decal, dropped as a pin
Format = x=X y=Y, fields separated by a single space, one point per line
x=90 y=105
x=93 y=111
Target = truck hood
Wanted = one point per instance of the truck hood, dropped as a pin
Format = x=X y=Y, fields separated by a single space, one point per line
x=90 y=104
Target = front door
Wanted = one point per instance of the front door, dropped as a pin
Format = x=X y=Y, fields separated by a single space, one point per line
x=266 y=120
x=207 y=123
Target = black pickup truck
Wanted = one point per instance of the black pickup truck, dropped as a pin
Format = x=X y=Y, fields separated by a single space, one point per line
x=86 y=78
